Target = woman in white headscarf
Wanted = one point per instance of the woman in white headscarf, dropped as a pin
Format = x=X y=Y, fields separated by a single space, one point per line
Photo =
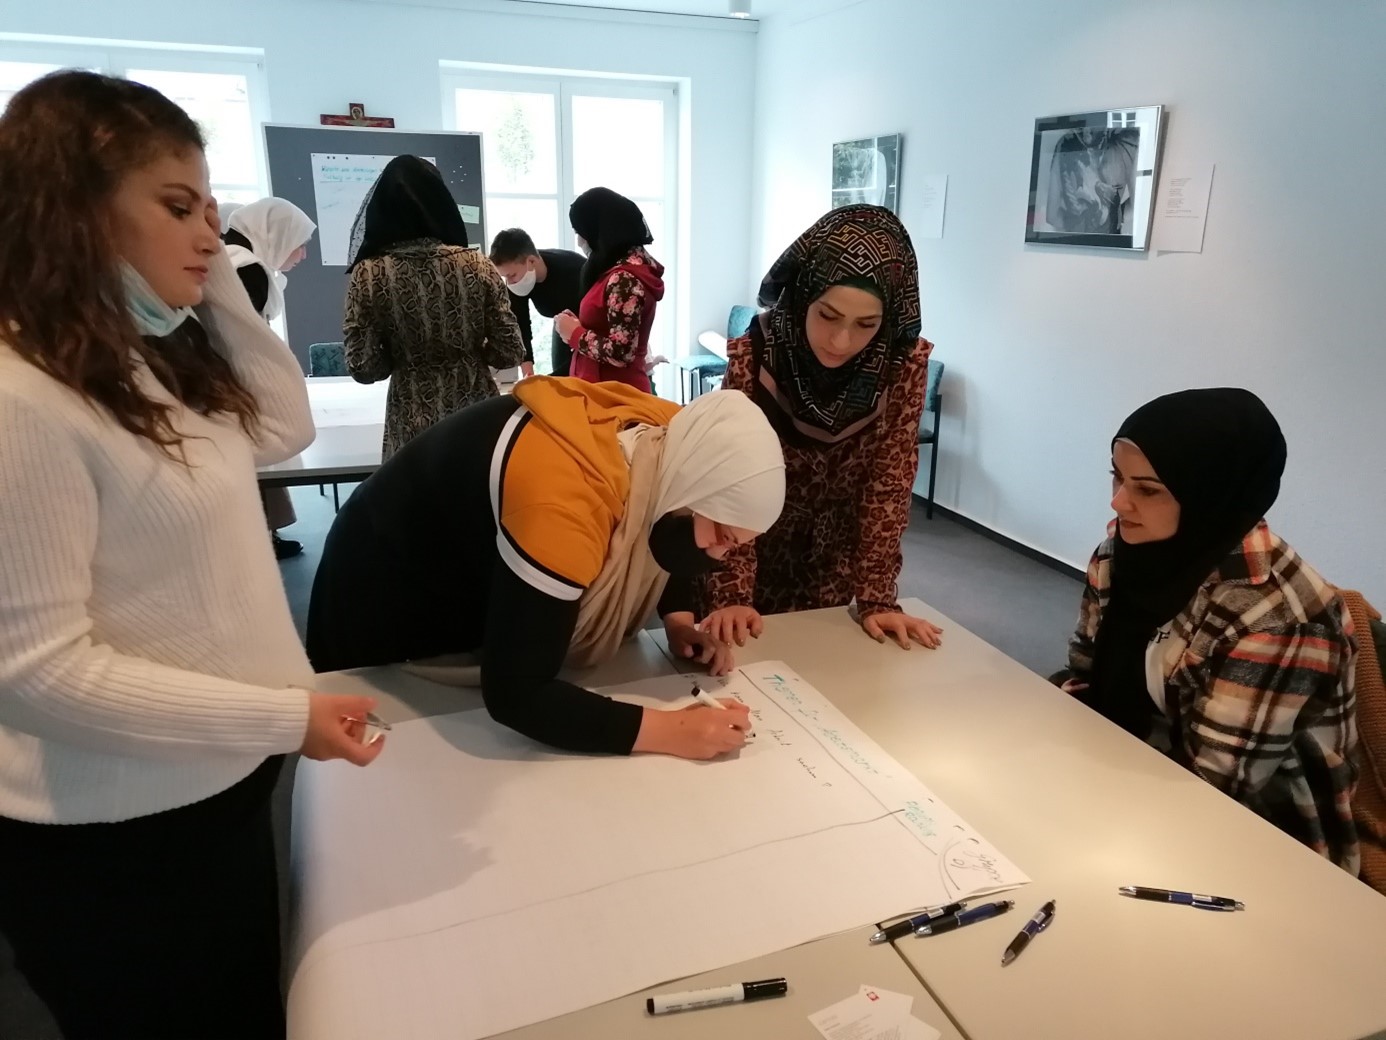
x=265 y=239
x=544 y=528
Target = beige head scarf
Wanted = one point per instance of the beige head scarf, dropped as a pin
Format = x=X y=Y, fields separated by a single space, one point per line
x=718 y=457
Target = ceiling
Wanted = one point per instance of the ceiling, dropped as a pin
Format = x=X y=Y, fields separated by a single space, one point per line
x=711 y=8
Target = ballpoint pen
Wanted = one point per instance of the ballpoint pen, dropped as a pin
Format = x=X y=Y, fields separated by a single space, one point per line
x=1164 y=895
x=900 y=929
x=1043 y=918
x=964 y=917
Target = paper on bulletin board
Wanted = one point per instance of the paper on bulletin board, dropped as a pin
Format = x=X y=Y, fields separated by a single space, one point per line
x=933 y=195
x=1181 y=209
x=470 y=214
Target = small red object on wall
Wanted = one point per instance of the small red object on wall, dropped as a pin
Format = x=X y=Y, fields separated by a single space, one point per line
x=356 y=116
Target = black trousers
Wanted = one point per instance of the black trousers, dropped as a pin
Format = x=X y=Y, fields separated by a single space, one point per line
x=164 y=926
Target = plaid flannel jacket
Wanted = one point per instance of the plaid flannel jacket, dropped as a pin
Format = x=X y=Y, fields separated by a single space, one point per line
x=1258 y=687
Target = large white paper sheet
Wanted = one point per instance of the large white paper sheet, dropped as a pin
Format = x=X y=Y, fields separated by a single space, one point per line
x=340 y=185
x=471 y=882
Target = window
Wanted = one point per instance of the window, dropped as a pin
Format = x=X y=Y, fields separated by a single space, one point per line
x=224 y=93
x=547 y=140
x=16 y=75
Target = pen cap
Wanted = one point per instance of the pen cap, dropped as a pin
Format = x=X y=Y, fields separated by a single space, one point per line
x=768 y=988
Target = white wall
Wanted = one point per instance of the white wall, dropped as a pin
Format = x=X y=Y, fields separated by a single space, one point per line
x=321 y=54
x=1049 y=349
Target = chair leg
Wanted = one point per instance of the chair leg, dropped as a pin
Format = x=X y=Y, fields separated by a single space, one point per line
x=933 y=474
x=322 y=489
x=336 y=501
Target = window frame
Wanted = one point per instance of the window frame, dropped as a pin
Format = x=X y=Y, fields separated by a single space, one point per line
x=117 y=58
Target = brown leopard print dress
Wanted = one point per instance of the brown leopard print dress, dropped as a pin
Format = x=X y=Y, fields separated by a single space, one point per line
x=846 y=508
x=434 y=319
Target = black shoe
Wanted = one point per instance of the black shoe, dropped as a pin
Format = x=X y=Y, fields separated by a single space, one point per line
x=285 y=548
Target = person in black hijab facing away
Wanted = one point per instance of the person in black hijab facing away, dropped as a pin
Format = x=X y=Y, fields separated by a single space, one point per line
x=621 y=284
x=422 y=309
x=1203 y=632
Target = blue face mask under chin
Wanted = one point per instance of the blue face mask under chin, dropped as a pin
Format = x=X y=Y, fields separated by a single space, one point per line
x=152 y=316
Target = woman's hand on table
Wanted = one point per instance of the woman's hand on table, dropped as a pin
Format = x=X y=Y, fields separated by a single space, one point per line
x=734 y=625
x=696 y=732
x=335 y=726
x=905 y=629
x=689 y=643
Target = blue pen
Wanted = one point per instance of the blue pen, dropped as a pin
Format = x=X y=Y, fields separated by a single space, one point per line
x=969 y=916
x=1164 y=895
x=900 y=929
x=1043 y=918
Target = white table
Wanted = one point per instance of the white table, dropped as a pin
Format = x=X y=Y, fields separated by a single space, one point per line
x=821 y=973
x=1082 y=808
x=350 y=420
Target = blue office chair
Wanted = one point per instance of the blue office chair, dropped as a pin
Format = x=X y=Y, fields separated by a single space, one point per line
x=327 y=359
x=701 y=369
x=933 y=399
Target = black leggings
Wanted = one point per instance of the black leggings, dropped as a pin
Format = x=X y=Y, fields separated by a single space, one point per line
x=164 y=926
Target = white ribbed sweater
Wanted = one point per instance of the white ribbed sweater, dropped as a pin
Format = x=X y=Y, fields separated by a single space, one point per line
x=146 y=646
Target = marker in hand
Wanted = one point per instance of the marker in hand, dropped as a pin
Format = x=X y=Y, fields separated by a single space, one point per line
x=708 y=700
x=703 y=697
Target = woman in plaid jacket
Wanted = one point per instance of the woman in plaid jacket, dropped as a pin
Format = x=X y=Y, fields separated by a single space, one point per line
x=1206 y=634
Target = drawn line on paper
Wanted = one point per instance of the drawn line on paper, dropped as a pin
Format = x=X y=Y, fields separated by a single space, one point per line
x=307 y=962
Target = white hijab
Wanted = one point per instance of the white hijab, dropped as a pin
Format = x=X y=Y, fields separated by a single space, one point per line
x=275 y=228
x=225 y=210
x=722 y=459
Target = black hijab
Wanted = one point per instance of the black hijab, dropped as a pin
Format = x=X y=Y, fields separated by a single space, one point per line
x=407 y=202
x=1220 y=453
x=612 y=226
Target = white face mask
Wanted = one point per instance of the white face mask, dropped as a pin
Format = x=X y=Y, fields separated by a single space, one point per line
x=525 y=285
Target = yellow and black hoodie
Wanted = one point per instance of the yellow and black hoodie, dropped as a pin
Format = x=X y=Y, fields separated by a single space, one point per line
x=479 y=536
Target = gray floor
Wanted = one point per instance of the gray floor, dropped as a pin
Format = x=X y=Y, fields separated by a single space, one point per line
x=1023 y=608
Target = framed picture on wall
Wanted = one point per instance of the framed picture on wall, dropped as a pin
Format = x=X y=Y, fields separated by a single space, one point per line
x=1092 y=178
x=867 y=171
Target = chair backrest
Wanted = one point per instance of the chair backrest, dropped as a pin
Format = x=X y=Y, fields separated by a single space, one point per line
x=932 y=392
x=327 y=359
x=739 y=321
x=1369 y=800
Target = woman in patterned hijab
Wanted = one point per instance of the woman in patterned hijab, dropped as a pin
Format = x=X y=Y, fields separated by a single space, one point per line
x=837 y=366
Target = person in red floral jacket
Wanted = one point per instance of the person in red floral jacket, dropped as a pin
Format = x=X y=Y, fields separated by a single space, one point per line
x=621 y=283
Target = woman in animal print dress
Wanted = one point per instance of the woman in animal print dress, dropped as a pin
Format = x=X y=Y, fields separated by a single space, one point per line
x=422 y=309
x=837 y=365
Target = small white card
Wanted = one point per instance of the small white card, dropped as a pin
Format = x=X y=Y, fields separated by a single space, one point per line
x=872 y=1014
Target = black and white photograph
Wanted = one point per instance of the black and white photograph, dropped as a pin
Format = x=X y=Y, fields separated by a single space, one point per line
x=1092 y=178
x=867 y=171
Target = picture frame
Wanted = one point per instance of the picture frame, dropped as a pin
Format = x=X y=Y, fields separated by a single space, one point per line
x=867 y=170
x=1093 y=177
